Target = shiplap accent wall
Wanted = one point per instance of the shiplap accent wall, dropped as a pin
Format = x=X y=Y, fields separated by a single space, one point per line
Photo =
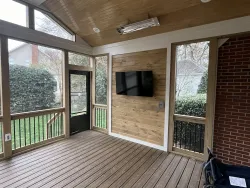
x=138 y=117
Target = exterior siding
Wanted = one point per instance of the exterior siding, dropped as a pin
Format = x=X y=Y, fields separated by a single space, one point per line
x=232 y=115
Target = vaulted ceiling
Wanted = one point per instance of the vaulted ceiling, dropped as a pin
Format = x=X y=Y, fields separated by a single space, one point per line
x=83 y=15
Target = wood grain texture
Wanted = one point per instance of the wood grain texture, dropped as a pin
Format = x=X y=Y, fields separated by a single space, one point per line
x=92 y=159
x=81 y=16
x=137 y=117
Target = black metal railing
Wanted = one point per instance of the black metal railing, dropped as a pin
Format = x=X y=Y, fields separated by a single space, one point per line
x=32 y=129
x=101 y=117
x=189 y=136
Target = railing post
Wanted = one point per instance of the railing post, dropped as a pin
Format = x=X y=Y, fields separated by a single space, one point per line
x=7 y=148
x=66 y=116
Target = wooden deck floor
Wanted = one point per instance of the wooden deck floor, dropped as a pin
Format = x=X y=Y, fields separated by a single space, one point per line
x=92 y=159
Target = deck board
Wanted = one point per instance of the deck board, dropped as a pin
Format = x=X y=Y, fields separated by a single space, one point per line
x=93 y=159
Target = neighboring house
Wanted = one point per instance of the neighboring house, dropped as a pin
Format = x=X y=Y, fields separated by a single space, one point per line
x=30 y=55
x=188 y=76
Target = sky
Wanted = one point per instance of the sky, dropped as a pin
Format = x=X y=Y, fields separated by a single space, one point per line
x=13 y=12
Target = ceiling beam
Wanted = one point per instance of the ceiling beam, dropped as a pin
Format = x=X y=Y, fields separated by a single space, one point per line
x=29 y=35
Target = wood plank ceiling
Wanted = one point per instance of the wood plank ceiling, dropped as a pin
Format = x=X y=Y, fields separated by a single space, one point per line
x=83 y=15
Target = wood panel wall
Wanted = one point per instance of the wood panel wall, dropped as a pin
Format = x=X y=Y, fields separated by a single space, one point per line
x=138 y=117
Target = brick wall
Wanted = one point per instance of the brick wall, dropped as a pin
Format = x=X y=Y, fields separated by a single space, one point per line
x=232 y=115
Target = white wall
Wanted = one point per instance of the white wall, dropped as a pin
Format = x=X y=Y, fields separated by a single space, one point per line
x=164 y=40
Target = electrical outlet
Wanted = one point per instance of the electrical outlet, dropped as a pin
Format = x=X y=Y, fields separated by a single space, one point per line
x=161 y=104
x=7 y=137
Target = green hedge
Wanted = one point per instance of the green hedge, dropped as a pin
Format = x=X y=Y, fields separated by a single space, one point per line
x=31 y=89
x=189 y=135
x=191 y=105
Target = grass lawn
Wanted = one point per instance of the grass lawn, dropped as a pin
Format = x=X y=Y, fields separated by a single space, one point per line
x=101 y=118
x=33 y=130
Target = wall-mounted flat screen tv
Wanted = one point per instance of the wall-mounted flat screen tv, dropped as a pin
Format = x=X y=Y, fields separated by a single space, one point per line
x=136 y=83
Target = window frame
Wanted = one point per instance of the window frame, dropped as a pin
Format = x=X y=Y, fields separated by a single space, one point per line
x=73 y=66
x=63 y=71
x=31 y=18
x=208 y=120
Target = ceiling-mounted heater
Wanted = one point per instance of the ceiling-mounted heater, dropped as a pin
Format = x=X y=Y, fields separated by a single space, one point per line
x=152 y=22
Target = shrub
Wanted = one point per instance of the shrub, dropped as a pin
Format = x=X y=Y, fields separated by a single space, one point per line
x=202 y=88
x=192 y=106
x=31 y=89
x=190 y=135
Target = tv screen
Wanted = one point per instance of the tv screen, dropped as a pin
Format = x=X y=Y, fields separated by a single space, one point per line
x=136 y=83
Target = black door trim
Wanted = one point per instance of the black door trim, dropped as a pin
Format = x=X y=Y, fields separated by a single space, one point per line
x=88 y=110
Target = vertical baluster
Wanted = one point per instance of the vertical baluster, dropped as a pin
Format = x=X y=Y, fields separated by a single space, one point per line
x=50 y=125
x=180 y=134
x=39 y=128
x=55 y=129
x=43 y=125
x=54 y=120
x=190 y=138
x=175 y=134
x=95 y=117
x=62 y=129
x=195 y=137
x=34 y=121
x=104 y=117
x=200 y=138
x=106 y=120
x=185 y=139
x=58 y=123
x=96 y=122
x=29 y=131
x=101 y=117
x=55 y=124
x=24 y=124
x=14 y=127
x=47 y=126
x=24 y=120
x=20 y=134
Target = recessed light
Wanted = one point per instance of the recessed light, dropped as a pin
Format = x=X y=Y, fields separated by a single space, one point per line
x=96 y=30
x=205 y=1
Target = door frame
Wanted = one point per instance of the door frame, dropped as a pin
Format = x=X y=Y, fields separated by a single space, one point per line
x=88 y=90
x=208 y=121
x=106 y=131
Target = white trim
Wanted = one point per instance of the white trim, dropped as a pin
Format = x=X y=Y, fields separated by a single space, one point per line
x=167 y=96
x=222 y=41
x=138 y=141
x=110 y=95
x=29 y=35
x=228 y=27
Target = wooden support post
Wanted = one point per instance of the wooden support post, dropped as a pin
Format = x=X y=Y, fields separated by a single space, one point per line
x=93 y=63
x=66 y=95
x=7 y=146
x=211 y=94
